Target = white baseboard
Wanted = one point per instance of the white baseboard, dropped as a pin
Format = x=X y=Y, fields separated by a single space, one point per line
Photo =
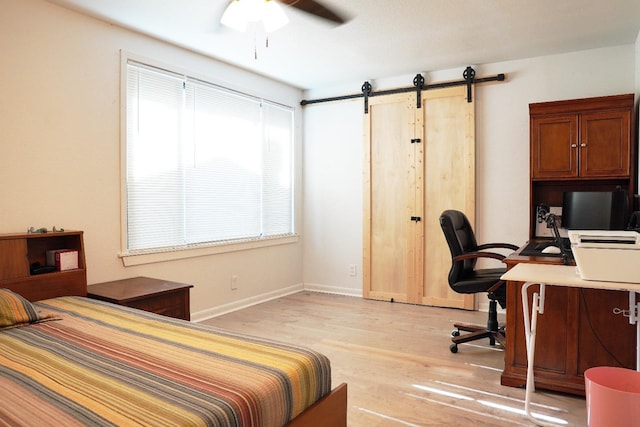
x=244 y=303
x=314 y=287
x=248 y=302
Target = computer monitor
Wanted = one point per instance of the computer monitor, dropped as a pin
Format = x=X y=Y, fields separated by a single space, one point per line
x=595 y=210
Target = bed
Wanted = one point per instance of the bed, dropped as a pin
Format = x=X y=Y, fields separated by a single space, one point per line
x=72 y=360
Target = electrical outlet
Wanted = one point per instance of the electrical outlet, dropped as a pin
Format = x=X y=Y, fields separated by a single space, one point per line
x=352 y=270
x=234 y=282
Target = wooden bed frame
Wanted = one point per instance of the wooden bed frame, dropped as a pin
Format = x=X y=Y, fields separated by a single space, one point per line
x=330 y=411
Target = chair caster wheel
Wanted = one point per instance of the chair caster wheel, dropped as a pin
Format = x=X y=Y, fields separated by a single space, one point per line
x=455 y=333
x=453 y=348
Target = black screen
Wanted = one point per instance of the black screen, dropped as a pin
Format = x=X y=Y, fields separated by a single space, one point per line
x=594 y=210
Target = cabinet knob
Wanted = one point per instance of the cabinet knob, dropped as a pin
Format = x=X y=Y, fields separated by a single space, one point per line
x=574 y=145
x=583 y=145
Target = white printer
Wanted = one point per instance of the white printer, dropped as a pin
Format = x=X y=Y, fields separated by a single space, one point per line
x=608 y=256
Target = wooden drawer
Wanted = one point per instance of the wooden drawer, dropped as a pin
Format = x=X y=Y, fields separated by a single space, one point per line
x=146 y=293
x=172 y=304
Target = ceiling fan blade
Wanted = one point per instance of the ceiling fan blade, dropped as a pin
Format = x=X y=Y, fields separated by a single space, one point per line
x=315 y=8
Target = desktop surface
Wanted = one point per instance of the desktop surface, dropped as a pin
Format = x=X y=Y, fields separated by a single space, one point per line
x=563 y=275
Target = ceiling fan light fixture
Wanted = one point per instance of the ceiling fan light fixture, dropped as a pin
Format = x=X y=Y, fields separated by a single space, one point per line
x=234 y=16
x=240 y=12
x=274 y=17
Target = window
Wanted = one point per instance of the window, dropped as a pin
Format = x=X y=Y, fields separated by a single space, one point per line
x=204 y=165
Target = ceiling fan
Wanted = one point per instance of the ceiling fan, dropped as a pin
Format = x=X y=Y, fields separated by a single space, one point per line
x=239 y=12
x=316 y=9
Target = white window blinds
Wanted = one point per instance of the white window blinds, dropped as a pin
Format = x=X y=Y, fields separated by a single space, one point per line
x=204 y=165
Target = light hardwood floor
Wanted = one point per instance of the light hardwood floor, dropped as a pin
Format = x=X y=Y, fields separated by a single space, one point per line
x=396 y=360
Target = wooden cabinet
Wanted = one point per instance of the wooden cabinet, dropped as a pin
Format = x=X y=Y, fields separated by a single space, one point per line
x=590 y=145
x=146 y=293
x=577 y=331
x=581 y=145
x=18 y=252
x=576 y=145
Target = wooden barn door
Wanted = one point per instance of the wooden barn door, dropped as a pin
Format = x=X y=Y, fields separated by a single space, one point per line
x=390 y=180
x=449 y=183
x=418 y=162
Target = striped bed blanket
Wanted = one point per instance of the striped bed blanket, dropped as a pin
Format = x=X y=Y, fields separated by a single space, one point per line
x=100 y=364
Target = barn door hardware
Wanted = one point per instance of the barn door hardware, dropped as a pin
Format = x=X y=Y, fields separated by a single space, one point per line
x=469 y=78
x=469 y=75
x=366 y=91
x=416 y=218
x=416 y=141
x=418 y=83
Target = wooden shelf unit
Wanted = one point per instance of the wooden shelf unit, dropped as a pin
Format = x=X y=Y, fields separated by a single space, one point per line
x=20 y=250
x=581 y=145
x=576 y=145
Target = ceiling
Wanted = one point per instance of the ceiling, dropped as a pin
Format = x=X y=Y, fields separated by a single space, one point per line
x=382 y=38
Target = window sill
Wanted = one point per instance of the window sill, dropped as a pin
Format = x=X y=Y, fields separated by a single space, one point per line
x=148 y=258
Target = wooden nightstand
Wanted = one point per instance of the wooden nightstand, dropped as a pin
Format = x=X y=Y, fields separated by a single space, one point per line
x=154 y=295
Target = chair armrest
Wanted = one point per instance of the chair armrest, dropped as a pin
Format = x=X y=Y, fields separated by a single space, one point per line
x=472 y=255
x=497 y=286
x=498 y=245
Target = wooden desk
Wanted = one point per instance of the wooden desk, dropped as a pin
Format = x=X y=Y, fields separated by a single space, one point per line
x=548 y=277
x=578 y=331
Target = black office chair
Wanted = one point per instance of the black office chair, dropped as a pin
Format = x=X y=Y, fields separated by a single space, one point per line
x=464 y=278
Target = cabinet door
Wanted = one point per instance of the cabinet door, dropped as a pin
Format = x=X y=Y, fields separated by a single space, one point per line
x=605 y=144
x=554 y=149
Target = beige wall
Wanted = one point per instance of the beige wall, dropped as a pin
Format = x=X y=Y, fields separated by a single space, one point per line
x=333 y=174
x=60 y=148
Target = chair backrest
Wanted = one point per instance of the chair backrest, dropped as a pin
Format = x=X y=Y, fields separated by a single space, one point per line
x=461 y=239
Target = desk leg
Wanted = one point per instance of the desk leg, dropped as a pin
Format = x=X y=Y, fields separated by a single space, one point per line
x=530 y=328
x=634 y=313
